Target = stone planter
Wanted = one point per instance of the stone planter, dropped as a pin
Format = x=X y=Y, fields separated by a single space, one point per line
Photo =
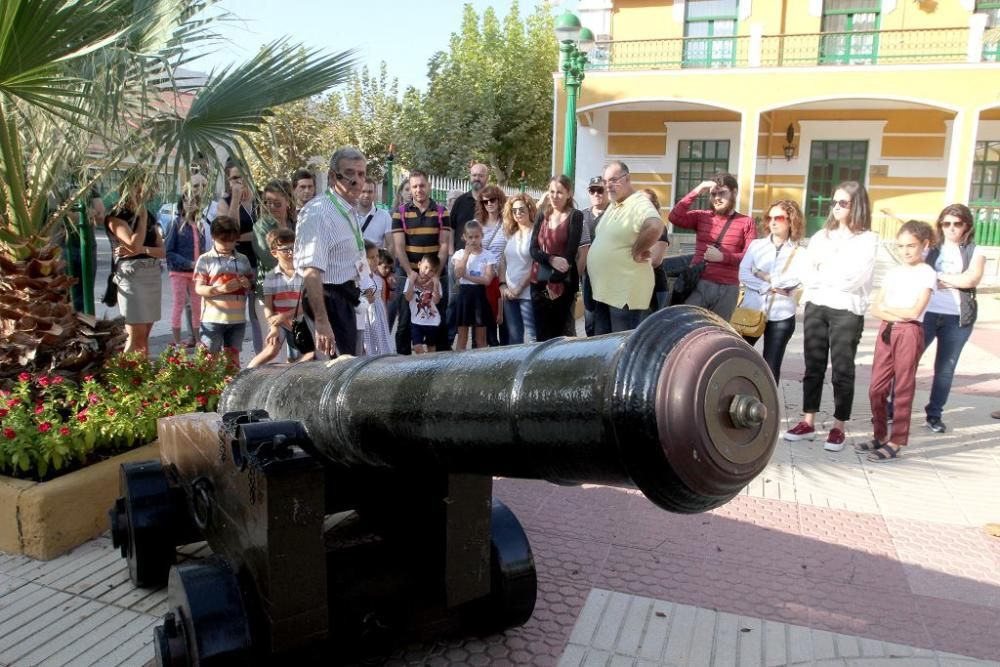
x=46 y=519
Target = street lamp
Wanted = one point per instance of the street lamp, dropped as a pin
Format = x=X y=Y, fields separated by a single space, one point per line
x=574 y=45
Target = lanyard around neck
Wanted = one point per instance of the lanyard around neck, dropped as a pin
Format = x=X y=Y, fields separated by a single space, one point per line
x=350 y=219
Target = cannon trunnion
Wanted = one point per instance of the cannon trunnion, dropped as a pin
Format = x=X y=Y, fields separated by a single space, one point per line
x=349 y=504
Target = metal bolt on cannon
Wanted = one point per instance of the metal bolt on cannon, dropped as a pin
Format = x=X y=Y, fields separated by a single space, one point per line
x=349 y=507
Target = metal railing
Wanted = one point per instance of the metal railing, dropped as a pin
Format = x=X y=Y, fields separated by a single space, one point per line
x=678 y=53
x=863 y=47
x=987 y=224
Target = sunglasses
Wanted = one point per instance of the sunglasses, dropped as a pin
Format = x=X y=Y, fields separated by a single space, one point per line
x=776 y=218
x=596 y=191
x=948 y=223
x=519 y=209
x=489 y=200
x=842 y=203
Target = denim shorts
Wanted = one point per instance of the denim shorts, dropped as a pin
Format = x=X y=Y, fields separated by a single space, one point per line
x=219 y=335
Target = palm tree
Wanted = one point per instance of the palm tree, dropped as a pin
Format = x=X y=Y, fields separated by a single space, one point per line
x=80 y=78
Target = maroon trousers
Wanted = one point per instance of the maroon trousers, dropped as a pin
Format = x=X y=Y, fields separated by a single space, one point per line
x=895 y=364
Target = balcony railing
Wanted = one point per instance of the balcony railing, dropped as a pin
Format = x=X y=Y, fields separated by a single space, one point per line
x=987 y=219
x=867 y=47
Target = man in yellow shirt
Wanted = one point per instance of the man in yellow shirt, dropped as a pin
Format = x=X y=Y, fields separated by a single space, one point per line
x=618 y=262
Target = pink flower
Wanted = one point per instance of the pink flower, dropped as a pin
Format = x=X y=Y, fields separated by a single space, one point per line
x=63 y=430
x=23 y=377
x=93 y=398
x=12 y=402
x=44 y=427
x=88 y=378
x=9 y=433
x=39 y=409
x=81 y=417
x=44 y=381
x=58 y=379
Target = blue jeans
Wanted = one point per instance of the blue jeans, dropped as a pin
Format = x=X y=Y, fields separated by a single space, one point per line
x=608 y=319
x=218 y=335
x=519 y=318
x=951 y=338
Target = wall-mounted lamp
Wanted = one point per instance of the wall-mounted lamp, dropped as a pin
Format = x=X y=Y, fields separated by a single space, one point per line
x=789 y=146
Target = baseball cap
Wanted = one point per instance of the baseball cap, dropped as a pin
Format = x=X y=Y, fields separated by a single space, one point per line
x=596 y=181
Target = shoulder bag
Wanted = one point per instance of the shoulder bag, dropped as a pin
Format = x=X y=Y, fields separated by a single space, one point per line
x=301 y=338
x=688 y=279
x=750 y=322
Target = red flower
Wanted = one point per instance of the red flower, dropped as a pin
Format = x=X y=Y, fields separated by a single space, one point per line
x=44 y=381
x=39 y=409
x=9 y=433
x=12 y=402
x=145 y=404
x=3 y=412
x=63 y=430
x=94 y=398
x=114 y=390
x=81 y=417
x=88 y=378
x=166 y=405
x=23 y=377
x=111 y=412
x=201 y=399
x=136 y=381
x=44 y=427
x=173 y=360
x=57 y=379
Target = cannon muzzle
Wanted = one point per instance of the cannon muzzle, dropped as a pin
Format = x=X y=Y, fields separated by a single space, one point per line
x=681 y=408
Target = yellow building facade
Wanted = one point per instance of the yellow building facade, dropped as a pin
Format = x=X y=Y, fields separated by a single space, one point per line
x=794 y=96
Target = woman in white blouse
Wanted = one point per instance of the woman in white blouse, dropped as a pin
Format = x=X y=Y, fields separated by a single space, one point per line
x=515 y=269
x=770 y=279
x=837 y=276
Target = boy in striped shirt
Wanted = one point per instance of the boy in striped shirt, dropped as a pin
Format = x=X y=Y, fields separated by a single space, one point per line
x=282 y=290
x=223 y=278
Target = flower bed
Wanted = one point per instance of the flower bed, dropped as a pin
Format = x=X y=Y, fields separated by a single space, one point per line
x=50 y=425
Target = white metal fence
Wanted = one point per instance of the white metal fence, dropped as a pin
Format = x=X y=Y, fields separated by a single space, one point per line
x=441 y=186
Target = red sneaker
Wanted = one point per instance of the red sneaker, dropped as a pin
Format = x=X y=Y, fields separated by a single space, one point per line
x=801 y=431
x=835 y=441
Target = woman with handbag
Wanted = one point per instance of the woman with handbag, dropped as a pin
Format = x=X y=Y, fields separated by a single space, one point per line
x=952 y=311
x=837 y=274
x=769 y=278
x=489 y=214
x=554 y=242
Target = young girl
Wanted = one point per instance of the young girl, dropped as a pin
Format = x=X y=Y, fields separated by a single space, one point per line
x=474 y=270
x=900 y=305
x=423 y=296
x=187 y=239
x=377 y=340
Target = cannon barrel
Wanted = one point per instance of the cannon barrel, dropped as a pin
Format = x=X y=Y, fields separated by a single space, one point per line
x=681 y=408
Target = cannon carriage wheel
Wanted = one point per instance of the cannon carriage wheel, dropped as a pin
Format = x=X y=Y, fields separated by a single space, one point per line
x=513 y=582
x=207 y=622
x=141 y=523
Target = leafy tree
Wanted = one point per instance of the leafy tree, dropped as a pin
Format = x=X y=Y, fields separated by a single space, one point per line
x=79 y=77
x=295 y=136
x=489 y=98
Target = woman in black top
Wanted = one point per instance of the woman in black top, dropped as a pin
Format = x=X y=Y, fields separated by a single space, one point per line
x=248 y=212
x=137 y=246
x=554 y=242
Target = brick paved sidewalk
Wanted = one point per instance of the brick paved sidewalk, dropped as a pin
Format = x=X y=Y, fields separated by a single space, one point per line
x=824 y=559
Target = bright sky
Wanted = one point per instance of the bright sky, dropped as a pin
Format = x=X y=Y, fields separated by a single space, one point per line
x=403 y=34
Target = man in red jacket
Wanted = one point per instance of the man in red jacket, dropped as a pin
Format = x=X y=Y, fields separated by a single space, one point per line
x=719 y=286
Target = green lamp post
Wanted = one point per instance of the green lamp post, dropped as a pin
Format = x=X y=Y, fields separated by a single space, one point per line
x=389 y=193
x=574 y=45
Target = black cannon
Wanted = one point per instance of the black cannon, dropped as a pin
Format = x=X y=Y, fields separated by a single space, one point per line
x=349 y=503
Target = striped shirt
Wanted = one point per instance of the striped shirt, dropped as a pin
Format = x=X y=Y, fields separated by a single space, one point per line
x=283 y=290
x=423 y=229
x=325 y=240
x=214 y=268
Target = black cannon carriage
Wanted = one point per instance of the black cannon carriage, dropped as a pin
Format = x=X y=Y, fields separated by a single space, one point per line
x=348 y=504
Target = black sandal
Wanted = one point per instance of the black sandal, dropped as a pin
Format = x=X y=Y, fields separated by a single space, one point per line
x=884 y=454
x=869 y=446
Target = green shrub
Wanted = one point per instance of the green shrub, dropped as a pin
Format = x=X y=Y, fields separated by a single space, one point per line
x=49 y=425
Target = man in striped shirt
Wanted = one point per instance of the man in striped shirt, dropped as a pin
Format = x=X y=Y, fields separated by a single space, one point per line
x=223 y=277
x=330 y=254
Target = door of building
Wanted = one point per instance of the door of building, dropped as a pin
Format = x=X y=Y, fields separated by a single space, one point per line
x=831 y=163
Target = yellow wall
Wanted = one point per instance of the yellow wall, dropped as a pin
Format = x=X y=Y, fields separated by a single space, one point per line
x=654 y=19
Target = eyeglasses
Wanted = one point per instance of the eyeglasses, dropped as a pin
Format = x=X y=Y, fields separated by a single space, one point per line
x=776 y=218
x=596 y=191
x=489 y=200
x=518 y=209
x=614 y=179
x=842 y=203
x=945 y=224
x=285 y=249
